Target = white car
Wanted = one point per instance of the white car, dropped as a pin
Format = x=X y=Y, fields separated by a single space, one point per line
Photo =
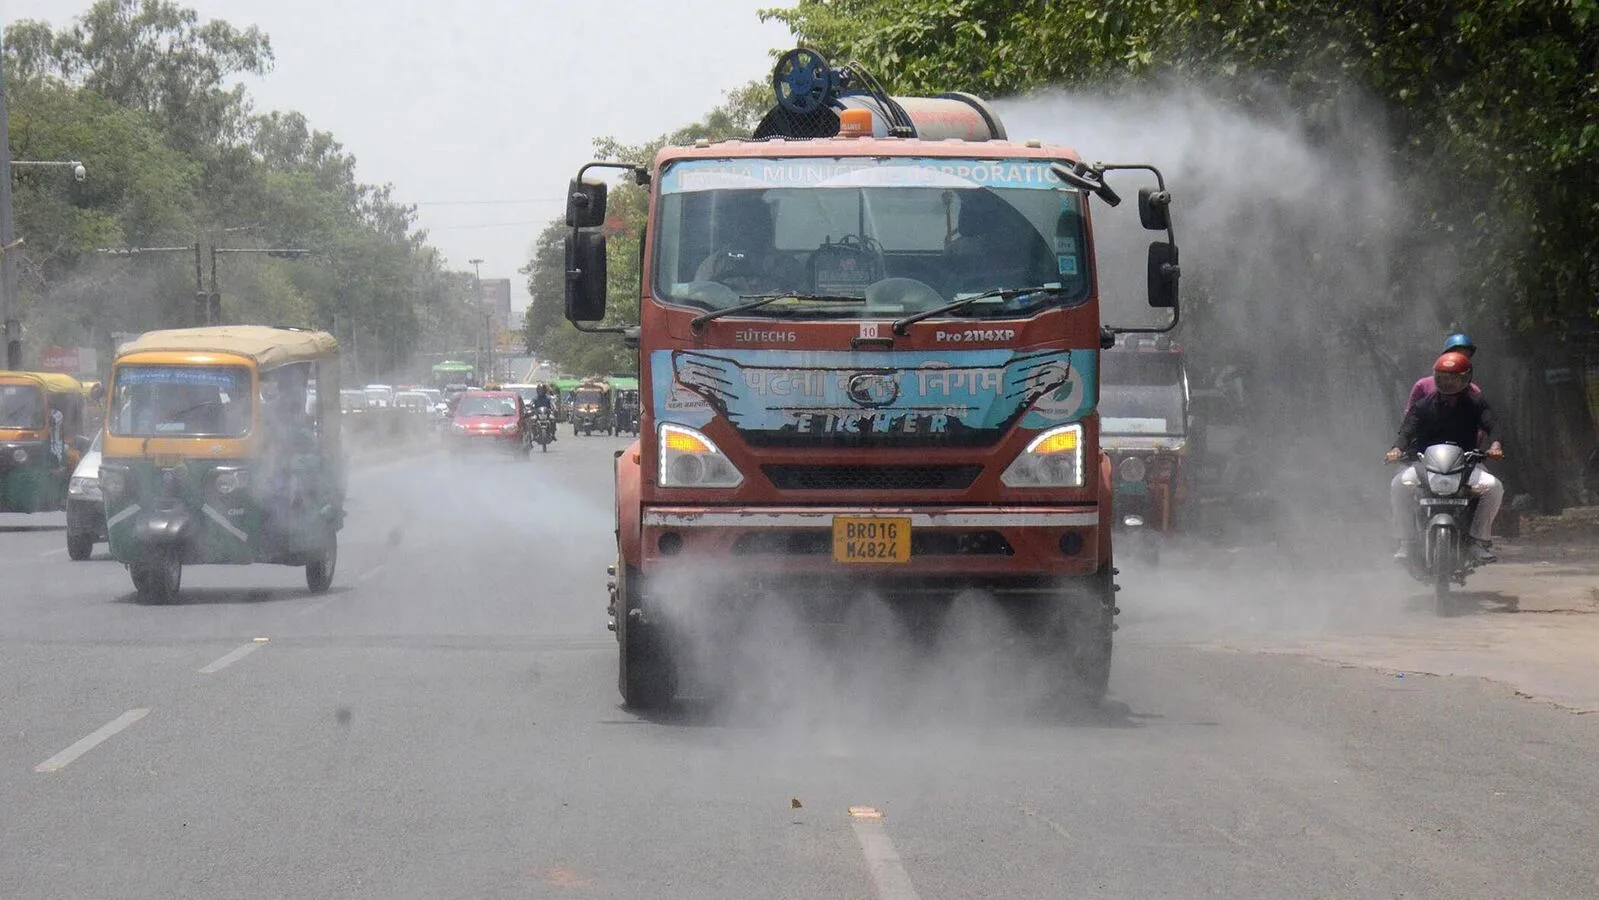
x=85 y=507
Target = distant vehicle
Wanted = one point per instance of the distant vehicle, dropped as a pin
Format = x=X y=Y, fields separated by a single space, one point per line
x=414 y=401
x=352 y=400
x=86 y=505
x=379 y=395
x=490 y=419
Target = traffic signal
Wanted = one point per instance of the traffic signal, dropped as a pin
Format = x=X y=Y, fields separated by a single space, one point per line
x=287 y=254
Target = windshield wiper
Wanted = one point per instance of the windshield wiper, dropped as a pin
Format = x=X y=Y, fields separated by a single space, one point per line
x=758 y=300
x=1001 y=293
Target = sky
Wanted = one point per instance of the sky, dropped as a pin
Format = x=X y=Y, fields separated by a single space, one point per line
x=480 y=111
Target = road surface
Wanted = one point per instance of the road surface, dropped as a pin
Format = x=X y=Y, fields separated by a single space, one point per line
x=445 y=724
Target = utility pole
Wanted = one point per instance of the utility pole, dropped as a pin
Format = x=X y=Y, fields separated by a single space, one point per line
x=9 y=324
x=488 y=324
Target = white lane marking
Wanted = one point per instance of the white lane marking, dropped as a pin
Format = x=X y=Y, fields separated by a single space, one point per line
x=371 y=573
x=56 y=552
x=95 y=738
x=233 y=657
x=882 y=860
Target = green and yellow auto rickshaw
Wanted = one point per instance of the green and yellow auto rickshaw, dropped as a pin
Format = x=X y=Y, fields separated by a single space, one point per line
x=41 y=439
x=214 y=452
x=592 y=409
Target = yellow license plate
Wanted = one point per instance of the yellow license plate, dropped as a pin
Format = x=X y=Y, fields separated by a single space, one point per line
x=167 y=461
x=867 y=539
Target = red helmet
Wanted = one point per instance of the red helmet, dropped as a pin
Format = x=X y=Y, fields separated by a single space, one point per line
x=1452 y=372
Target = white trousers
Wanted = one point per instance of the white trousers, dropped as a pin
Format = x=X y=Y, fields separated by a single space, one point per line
x=1490 y=493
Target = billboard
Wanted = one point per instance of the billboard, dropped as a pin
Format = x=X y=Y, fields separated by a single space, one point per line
x=69 y=360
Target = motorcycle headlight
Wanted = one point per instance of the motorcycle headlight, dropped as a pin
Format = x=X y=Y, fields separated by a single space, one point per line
x=458 y=428
x=112 y=481
x=1053 y=459
x=84 y=488
x=19 y=455
x=690 y=459
x=1443 y=485
x=1132 y=469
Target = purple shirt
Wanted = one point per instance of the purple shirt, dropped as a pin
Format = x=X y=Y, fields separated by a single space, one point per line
x=1429 y=385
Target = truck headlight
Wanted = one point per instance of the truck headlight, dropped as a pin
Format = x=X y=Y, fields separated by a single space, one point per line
x=84 y=488
x=1053 y=459
x=690 y=459
x=1443 y=485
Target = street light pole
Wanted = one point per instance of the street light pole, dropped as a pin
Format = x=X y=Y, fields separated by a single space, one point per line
x=10 y=328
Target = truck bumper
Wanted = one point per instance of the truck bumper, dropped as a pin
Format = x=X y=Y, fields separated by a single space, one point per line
x=951 y=547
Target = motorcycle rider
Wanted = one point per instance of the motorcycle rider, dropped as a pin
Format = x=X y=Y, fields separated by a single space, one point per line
x=1427 y=385
x=1452 y=415
x=543 y=406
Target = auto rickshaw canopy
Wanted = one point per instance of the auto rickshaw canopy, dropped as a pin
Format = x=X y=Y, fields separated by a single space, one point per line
x=49 y=382
x=267 y=346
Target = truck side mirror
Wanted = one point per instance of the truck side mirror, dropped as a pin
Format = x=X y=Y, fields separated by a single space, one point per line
x=585 y=204
x=1154 y=209
x=585 y=276
x=1163 y=275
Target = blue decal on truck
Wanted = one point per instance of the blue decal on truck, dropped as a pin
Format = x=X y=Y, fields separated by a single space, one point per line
x=842 y=392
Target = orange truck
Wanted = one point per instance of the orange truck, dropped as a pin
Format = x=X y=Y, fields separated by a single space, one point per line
x=868 y=350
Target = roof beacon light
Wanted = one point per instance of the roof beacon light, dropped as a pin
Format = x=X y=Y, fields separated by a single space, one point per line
x=853 y=123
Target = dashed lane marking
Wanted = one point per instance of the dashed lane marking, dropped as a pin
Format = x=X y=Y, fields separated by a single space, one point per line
x=233 y=657
x=882 y=860
x=94 y=739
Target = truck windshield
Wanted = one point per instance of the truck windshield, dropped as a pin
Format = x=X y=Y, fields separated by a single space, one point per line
x=1141 y=393
x=905 y=235
x=181 y=401
x=21 y=406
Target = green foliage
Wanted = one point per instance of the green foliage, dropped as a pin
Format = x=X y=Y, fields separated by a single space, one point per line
x=141 y=92
x=1493 y=103
x=544 y=327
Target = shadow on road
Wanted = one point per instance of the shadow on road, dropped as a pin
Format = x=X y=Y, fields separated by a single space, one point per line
x=1468 y=603
x=226 y=596
x=702 y=712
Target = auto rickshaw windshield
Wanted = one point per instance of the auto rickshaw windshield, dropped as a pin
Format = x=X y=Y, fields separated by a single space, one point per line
x=181 y=401
x=587 y=398
x=21 y=406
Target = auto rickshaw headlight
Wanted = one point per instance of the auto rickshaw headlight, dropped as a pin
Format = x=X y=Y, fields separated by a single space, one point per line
x=112 y=481
x=230 y=480
x=1132 y=469
x=19 y=456
x=1053 y=459
x=690 y=459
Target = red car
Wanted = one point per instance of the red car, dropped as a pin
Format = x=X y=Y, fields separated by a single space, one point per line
x=490 y=419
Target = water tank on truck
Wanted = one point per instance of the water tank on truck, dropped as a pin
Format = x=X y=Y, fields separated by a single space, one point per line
x=812 y=95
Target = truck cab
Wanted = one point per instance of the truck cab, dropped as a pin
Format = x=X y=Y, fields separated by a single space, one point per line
x=869 y=349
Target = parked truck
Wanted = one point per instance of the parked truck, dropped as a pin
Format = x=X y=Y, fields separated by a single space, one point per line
x=868 y=353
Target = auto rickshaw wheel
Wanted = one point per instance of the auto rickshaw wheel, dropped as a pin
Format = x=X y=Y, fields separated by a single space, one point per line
x=79 y=546
x=158 y=579
x=319 y=572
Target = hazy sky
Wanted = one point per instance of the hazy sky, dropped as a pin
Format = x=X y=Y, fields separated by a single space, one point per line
x=489 y=100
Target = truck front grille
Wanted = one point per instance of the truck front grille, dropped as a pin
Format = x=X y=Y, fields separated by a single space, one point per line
x=872 y=478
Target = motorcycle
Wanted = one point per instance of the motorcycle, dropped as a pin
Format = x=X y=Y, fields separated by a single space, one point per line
x=544 y=428
x=1444 y=508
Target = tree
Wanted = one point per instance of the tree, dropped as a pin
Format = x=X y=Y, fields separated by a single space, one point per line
x=544 y=327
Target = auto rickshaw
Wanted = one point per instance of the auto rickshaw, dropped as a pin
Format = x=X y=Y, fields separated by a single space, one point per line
x=214 y=454
x=41 y=439
x=593 y=409
x=1143 y=416
x=627 y=411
